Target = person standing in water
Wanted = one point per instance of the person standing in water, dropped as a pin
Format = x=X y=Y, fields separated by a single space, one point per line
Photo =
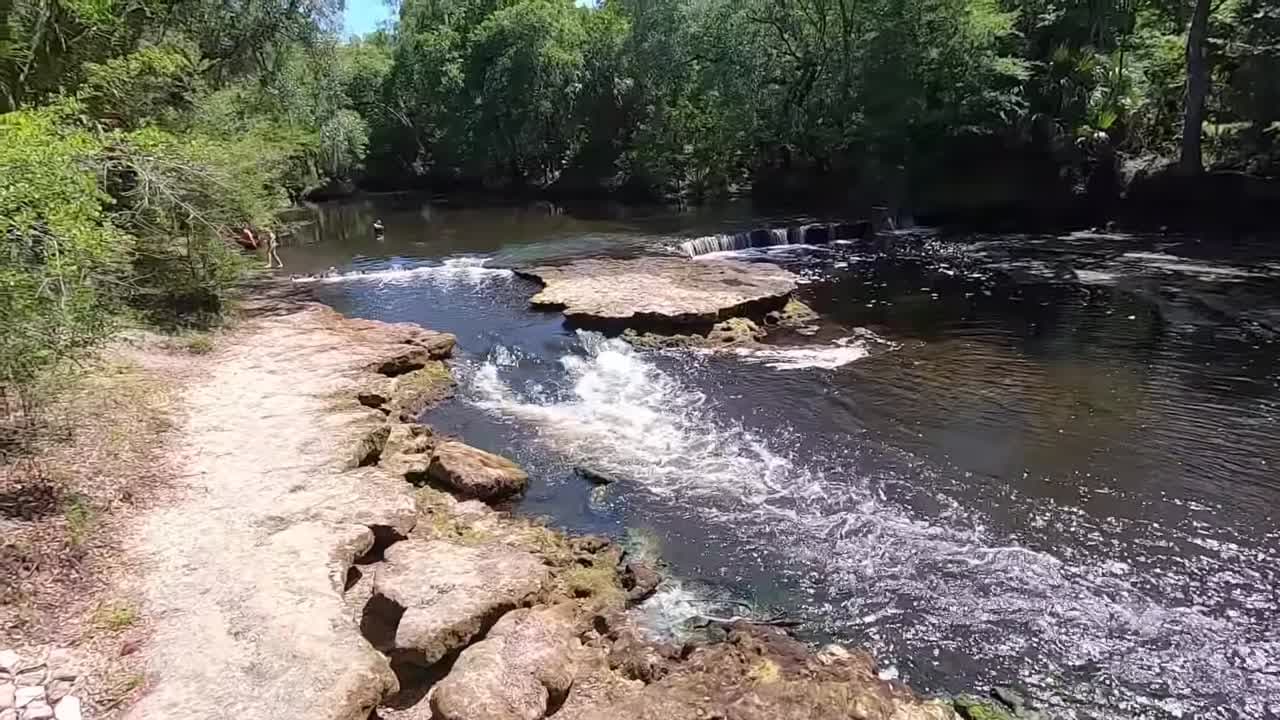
x=378 y=229
x=273 y=246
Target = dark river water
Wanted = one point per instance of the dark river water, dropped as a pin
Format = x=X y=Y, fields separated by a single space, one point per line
x=1050 y=461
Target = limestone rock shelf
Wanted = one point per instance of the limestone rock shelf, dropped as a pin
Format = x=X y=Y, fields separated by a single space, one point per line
x=660 y=292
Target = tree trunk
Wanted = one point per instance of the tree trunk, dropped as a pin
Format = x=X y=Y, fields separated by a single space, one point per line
x=1192 y=161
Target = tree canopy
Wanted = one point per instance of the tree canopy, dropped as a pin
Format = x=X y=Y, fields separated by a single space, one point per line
x=138 y=136
x=701 y=97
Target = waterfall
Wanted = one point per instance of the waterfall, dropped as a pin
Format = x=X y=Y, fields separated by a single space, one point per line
x=715 y=243
x=765 y=237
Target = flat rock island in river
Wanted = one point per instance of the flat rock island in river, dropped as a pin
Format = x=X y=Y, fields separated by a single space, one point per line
x=661 y=291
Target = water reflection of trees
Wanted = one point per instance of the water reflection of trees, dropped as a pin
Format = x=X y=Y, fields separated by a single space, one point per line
x=1065 y=388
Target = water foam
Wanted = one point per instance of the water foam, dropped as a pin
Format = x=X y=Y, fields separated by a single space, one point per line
x=907 y=582
x=841 y=352
x=655 y=428
x=467 y=269
x=666 y=614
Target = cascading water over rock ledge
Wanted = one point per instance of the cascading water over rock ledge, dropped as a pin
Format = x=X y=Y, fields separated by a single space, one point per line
x=809 y=234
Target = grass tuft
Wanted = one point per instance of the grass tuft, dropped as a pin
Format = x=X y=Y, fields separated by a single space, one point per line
x=80 y=518
x=199 y=344
x=116 y=616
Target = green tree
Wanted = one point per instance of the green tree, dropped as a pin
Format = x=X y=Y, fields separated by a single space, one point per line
x=63 y=260
x=153 y=84
x=525 y=72
x=1191 y=160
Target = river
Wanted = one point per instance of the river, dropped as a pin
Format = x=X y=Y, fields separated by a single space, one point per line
x=1050 y=461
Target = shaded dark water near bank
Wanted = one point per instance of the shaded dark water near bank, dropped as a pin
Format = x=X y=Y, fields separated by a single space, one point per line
x=1047 y=461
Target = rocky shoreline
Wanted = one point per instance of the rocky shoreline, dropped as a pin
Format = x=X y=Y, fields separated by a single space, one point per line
x=484 y=614
x=327 y=556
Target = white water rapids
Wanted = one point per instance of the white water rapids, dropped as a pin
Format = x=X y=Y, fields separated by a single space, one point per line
x=456 y=270
x=903 y=579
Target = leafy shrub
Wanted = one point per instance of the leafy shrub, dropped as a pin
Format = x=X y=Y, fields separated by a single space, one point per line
x=64 y=264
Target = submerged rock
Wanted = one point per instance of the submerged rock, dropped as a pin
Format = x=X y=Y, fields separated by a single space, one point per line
x=657 y=341
x=640 y=580
x=450 y=593
x=735 y=331
x=662 y=292
x=474 y=473
x=1009 y=696
x=524 y=666
x=593 y=476
x=729 y=333
x=794 y=314
x=972 y=708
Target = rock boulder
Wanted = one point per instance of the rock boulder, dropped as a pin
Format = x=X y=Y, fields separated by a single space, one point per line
x=451 y=593
x=660 y=292
x=474 y=473
x=523 y=667
x=420 y=348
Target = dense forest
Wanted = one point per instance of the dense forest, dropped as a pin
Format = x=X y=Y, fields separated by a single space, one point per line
x=699 y=98
x=138 y=136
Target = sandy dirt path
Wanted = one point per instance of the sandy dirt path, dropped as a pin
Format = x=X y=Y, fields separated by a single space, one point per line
x=243 y=574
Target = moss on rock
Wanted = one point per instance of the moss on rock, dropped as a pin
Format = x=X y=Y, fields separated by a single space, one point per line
x=973 y=708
